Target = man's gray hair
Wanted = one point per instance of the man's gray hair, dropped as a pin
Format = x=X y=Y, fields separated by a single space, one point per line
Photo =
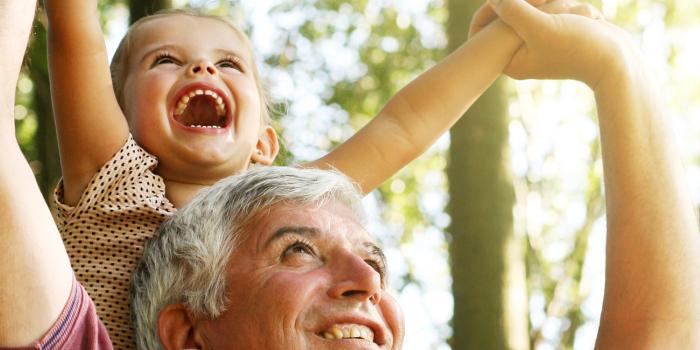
x=187 y=260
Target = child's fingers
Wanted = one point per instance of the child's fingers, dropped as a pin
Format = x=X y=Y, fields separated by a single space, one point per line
x=523 y=17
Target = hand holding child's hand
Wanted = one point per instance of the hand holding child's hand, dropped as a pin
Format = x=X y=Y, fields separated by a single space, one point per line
x=486 y=13
x=571 y=42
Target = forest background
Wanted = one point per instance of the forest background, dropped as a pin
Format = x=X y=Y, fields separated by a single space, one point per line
x=496 y=236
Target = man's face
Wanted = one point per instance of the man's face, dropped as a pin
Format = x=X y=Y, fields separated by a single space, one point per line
x=306 y=277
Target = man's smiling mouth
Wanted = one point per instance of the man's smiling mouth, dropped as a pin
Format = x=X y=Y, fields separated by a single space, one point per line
x=201 y=108
x=348 y=331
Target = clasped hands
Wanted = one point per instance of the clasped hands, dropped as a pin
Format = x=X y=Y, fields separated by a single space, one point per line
x=562 y=39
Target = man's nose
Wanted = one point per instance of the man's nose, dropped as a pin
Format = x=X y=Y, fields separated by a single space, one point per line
x=355 y=279
x=202 y=67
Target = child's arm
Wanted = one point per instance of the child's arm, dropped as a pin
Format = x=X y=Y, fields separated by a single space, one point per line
x=652 y=278
x=90 y=125
x=35 y=275
x=423 y=110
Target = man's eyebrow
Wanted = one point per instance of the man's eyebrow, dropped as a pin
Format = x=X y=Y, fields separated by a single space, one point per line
x=295 y=230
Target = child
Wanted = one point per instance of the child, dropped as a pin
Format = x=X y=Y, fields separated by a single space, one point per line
x=188 y=109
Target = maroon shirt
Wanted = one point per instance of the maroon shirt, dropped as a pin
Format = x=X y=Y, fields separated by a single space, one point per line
x=78 y=326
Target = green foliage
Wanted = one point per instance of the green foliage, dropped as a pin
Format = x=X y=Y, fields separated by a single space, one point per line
x=25 y=118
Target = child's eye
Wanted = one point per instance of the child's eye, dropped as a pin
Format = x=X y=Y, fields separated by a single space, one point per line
x=230 y=63
x=164 y=59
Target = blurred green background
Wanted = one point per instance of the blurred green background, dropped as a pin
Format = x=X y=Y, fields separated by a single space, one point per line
x=495 y=236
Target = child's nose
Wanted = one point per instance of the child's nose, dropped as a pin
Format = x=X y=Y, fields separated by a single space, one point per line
x=203 y=67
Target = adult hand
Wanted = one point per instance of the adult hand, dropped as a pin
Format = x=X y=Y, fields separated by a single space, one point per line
x=486 y=14
x=572 y=42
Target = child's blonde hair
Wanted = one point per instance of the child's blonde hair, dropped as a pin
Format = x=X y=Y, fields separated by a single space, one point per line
x=120 y=62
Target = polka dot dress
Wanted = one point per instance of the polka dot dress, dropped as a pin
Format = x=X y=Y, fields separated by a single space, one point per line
x=123 y=205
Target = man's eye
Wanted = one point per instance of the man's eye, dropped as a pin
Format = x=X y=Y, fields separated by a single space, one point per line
x=379 y=267
x=298 y=248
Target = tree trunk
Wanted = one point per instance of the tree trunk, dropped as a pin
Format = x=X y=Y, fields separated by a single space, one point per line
x=47 y=165
x=487 y=265
x=143 y=8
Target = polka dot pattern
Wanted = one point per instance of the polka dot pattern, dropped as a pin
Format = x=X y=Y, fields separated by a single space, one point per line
x=123 y=205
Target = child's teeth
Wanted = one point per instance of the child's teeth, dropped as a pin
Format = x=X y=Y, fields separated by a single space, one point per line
x=206 y=126
x=220 y=105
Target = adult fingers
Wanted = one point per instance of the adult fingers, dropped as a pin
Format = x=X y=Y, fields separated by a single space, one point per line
x=587 y=10
x=486 y=14
x=482 y=17
x=523 y=17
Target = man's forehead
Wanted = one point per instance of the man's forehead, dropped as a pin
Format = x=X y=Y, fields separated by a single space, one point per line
x=331 y=219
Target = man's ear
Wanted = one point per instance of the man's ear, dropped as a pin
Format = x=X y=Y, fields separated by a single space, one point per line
x=176 y=329
x=267 y=147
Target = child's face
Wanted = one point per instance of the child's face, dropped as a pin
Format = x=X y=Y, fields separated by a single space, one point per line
x=191 y=97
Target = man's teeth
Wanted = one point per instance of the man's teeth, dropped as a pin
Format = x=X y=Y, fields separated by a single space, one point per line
x=345 y=331
x=182 y=104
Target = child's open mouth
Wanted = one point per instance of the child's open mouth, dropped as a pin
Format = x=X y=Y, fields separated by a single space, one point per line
x=201 y=108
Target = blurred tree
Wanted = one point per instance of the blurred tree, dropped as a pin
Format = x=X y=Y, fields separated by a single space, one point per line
x=46 y=164
x=490 y=310
x=142 y=8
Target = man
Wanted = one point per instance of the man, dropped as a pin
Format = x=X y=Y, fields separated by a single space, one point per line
x=299 y=271
x=276 y=258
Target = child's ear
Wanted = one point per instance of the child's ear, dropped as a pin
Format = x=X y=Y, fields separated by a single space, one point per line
x=267 y=147
x=177 y=329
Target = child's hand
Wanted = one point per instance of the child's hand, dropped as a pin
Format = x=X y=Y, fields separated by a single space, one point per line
x=562 y=45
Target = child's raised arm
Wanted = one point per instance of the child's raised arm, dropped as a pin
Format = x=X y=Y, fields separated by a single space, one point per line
x=424 y=109
x=35 y=275
x=427 y=107
x=91 y=126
